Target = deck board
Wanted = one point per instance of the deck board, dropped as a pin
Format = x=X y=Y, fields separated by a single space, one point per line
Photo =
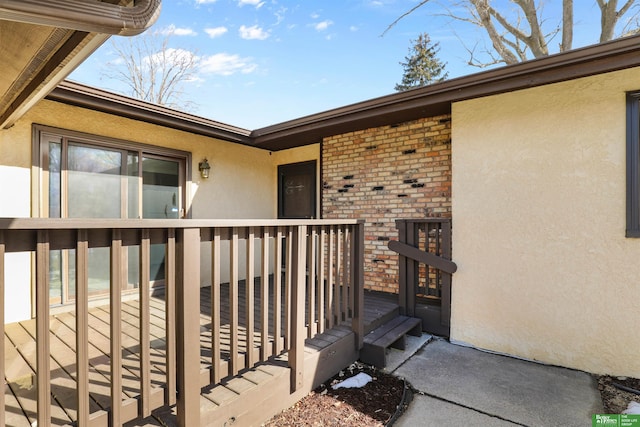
x=20 y=391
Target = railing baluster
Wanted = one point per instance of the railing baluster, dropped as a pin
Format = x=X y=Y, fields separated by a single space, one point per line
x=296 y=352
x=82 y=326
x=170 y=316
x=144 y=337
x=311 y=282
x=249 y=295
x=403 y=286
x=350 y=230
x=42 y=329
x=322 y=310
x=264 y=287
x=287 y=287
x=233 y=304
x=188 y=297
x=2 y=351
x=412 y=270
x=345 y=274
x=277 y=294
x=330 y=284
x=115 y=301
x=215 y=307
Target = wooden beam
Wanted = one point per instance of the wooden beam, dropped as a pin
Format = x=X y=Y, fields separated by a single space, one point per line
x=424 y=257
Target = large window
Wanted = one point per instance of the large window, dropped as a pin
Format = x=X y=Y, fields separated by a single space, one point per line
x=88 y=177
x=633 y=164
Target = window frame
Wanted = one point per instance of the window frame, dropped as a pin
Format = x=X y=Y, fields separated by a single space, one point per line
x=633 y=164
x=39 y=196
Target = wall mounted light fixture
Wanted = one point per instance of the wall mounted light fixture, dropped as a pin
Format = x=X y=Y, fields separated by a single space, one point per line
x=204 y=168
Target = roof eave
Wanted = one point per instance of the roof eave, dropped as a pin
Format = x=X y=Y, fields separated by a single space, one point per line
x=437 y=98
x=107 y=102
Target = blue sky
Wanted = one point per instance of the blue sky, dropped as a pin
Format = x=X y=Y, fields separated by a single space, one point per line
x=262 y=62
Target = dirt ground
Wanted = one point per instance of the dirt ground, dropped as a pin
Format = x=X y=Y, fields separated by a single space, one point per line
x=614 y=399
x=383 y=400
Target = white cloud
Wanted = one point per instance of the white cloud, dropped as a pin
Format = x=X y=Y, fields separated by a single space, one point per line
x=205 y=1
x=280 y=14
x=253 y=33
x=257 y=3
x=321 y=26
x=215 y=32
x=353 y=28
x=176 y=31
x=225 y=64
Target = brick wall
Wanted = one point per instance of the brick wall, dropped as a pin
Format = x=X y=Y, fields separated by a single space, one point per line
x=383 y=174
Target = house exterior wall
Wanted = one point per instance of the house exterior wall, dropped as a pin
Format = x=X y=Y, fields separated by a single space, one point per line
x=242 y=182
x=383 y=174
x=544 y=269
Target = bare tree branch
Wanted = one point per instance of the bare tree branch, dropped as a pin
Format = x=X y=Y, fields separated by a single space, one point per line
x=422 y=2
x=152 y=70
x=517 y=35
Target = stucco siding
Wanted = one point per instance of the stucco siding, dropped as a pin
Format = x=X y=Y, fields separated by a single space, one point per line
x=242 y=182
x=538 y=201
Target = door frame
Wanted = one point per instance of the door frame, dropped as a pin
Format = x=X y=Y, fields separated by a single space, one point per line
x=309 y=167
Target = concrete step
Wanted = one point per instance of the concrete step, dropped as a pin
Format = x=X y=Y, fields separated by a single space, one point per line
x=391 y=334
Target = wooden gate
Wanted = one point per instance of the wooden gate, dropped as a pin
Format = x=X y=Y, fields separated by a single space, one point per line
x=425 y=270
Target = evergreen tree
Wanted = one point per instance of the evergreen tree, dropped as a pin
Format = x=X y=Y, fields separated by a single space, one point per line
x=422 y=67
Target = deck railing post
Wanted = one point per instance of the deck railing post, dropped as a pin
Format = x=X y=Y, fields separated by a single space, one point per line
x=298 y=287
x=188 y=325
x=445 y=291
x=357 y=282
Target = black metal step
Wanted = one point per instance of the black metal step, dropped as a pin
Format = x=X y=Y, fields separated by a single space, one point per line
x=391 y=334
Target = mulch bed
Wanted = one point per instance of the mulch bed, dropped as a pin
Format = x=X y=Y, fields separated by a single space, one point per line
x=614 y=399
x=375 y=404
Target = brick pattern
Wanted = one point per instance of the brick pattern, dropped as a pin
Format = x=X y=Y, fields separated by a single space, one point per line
x=383 y=174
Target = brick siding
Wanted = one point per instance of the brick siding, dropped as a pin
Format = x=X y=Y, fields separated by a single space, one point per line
x=383 y=174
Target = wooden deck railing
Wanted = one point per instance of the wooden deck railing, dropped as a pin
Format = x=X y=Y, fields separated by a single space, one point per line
x=425 y=269
x=306 y=277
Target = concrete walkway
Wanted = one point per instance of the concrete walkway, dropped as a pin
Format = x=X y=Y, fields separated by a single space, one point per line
x=460 y=386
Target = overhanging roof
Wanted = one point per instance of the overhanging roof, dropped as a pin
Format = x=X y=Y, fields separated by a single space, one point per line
x=399 y=107
x=44 y=40
x=437 y=98
x=107 y=102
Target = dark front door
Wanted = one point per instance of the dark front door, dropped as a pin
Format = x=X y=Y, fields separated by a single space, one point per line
x=297 y=190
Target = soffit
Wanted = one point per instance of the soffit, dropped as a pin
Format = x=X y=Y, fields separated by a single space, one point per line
x=41 y=43
x=32 y=56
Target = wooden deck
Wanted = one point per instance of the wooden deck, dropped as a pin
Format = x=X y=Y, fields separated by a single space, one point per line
x=325 y=354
